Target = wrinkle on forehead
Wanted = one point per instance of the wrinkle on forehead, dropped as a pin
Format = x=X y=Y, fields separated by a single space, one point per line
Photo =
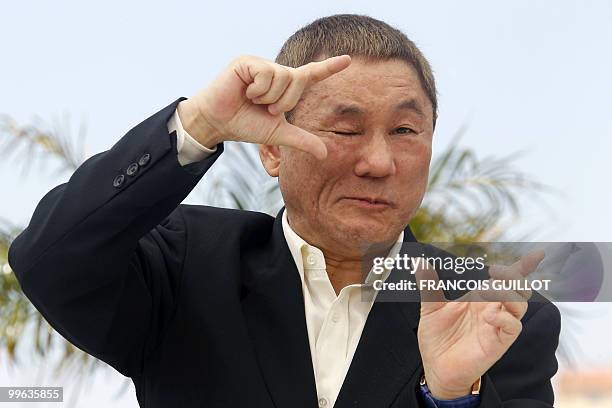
x=369 y=85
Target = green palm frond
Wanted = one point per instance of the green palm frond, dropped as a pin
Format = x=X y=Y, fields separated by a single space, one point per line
x=490 y=183
x=468 y=197
x=240 y=181
x=34 y=142
x=14 y=308
x=18 y=316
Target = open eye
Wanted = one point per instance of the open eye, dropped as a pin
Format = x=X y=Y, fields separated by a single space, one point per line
x=403 y=130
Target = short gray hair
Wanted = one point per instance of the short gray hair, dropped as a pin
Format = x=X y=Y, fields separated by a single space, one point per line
x=356 y=35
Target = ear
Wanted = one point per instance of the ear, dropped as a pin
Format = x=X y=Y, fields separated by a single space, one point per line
x=270 y=156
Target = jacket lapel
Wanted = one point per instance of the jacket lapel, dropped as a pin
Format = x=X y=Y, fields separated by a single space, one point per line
x=273 y=306
x=387 y=356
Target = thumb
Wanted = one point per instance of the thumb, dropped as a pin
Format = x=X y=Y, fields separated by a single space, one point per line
x=290 y=135
x=427 y=280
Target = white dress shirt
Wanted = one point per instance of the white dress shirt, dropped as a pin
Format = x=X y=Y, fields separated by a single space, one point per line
x=334 y=322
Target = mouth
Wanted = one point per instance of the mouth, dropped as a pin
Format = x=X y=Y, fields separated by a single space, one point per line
x=369 y=202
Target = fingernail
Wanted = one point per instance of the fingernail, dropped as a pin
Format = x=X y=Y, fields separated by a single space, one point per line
x=272 y=109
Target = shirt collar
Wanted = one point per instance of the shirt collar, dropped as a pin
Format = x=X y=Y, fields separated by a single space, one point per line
x=309 y=257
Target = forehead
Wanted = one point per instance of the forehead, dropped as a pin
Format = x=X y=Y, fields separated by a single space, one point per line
x=369 y=86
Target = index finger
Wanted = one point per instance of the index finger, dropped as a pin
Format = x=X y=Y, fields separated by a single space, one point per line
x=519 y=269
x=529 y=262
x=427 y=280
x=319 y=70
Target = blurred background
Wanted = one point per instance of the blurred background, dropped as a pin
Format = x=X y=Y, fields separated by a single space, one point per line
x=521 y=149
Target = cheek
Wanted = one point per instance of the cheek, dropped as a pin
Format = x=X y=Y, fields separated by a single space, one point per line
x=305 y=181
x=299 y=179
x=413 y=169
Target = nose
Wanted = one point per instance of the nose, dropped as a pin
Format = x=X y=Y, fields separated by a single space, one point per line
x=376 y=158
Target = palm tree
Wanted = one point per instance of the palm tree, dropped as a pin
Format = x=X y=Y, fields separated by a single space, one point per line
x=16 y=312
x=467 y=201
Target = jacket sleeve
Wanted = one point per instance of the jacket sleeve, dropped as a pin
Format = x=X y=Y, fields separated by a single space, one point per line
x=522 y=377
x=102 y=255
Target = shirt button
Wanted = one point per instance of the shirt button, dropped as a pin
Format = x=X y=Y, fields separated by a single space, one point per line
x=132 y=169
x=311 y=260
x=144 y=159
x=118 y=181
x=322 y=402
x=335 y=318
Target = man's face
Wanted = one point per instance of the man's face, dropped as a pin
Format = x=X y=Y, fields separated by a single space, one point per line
x=377 y=123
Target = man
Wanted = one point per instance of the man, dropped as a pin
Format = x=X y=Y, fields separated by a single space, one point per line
x=204 y=306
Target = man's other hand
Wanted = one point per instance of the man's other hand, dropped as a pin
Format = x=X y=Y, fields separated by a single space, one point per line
x=460 y=340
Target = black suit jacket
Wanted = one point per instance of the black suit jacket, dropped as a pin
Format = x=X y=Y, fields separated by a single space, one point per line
x=203 y=307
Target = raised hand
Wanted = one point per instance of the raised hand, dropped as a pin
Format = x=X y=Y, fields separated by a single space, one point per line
x=460 y=340
x=247 y=100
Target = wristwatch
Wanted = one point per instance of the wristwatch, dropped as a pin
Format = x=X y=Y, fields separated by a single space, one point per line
x=475 y=386
x=471 y=400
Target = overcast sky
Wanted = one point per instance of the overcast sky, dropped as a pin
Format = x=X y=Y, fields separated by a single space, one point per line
x=529 y=76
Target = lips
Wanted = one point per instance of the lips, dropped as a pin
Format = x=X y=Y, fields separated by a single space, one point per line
x=374 y=202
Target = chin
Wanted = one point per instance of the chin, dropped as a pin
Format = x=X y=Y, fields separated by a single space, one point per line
x=367 y=232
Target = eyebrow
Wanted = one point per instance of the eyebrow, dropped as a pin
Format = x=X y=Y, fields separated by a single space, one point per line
x=354 y=110
x=410 y=104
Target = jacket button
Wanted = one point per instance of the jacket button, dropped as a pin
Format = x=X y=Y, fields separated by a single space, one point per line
x=144 y=160
x=132 y=169
x=118 y=182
